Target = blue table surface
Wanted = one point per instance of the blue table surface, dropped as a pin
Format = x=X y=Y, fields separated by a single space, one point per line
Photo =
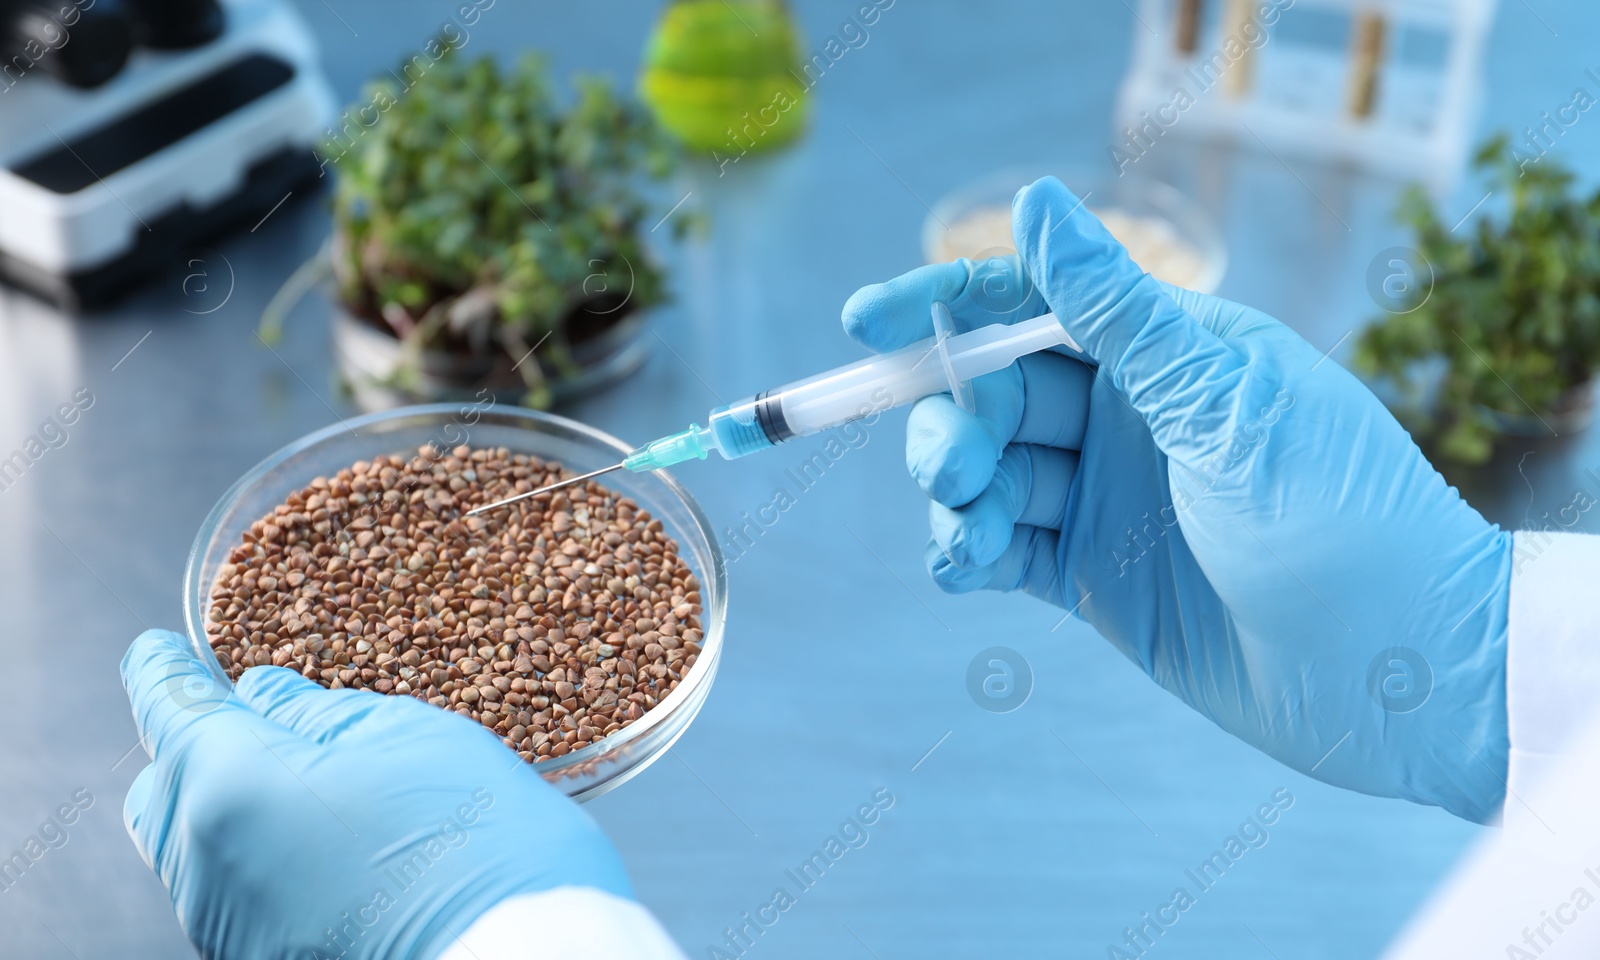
x=1044 y=831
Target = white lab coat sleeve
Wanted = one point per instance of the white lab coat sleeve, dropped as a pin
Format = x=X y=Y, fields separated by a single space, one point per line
x=1552 y=651
x=1533 y=888
x=567 y=923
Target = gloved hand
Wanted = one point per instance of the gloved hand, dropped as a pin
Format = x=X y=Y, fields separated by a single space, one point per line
x=287 y=818
x=1238 y=515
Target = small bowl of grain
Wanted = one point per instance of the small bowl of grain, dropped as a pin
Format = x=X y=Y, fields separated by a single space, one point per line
x=1165 y=232
x=583 y=627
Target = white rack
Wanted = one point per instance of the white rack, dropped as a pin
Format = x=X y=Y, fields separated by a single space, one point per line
x=1360 y=103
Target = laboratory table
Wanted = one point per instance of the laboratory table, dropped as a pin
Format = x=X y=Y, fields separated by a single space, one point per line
x=1043 y=831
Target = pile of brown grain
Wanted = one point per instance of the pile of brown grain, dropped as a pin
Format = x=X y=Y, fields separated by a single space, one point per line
x=554 y=621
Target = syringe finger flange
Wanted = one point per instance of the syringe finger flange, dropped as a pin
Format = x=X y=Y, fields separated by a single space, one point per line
x=944 y=327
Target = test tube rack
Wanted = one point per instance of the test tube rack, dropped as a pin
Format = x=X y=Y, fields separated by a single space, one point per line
x=1230 y=75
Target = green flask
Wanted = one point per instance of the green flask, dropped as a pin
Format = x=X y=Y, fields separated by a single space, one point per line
x=724 y=76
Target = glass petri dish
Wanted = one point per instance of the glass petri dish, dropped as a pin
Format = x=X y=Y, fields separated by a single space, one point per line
x=582 y=774
x=1166 y=232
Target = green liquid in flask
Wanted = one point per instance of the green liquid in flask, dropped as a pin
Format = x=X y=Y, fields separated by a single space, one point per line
x=724 y=76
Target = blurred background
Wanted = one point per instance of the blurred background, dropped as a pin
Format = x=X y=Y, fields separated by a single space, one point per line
x=219 y=235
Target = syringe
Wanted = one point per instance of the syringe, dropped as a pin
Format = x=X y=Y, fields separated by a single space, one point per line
x=944 y=363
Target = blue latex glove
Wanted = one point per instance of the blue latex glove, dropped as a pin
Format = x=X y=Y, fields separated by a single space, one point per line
x=1239 y=516
x=287 y=818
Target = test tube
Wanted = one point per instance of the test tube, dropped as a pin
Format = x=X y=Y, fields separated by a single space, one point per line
x=1235 y=15
x=1366 y=54
x=1188 y=35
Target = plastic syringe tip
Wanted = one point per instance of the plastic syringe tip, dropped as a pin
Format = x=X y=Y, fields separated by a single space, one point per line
x=675 y=448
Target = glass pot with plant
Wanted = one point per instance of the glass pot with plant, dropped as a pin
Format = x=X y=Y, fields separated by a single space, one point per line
x=1506 y=341
x=485 y=238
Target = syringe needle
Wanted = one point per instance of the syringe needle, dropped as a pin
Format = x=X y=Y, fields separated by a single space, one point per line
x=570 y=481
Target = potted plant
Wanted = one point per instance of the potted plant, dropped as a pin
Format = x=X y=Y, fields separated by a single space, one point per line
x=1506 y=340
x=485 y=238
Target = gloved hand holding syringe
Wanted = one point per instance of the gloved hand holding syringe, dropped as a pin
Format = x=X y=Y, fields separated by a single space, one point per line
x=944 y=363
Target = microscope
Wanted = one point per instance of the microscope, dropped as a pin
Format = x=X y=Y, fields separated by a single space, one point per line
x=131 y=130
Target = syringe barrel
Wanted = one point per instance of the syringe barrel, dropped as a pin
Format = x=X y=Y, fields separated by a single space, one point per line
x=826 y=400
x=874 y=384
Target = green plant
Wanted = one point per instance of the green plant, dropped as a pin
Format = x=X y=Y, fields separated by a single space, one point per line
x=477 y=214
x=1513 y=314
